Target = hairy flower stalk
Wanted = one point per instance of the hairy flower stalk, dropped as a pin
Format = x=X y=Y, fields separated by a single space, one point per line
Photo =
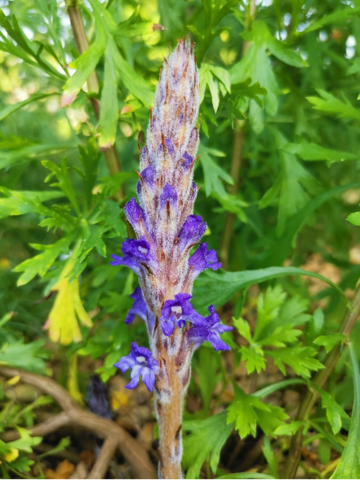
x=162 y=255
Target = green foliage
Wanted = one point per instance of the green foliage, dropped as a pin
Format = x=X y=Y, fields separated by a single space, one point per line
x=349 y=465
x=205 y=441
x=279 y=141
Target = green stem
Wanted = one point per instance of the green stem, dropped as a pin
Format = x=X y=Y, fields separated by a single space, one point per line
x=320 y=379
x=77 y=25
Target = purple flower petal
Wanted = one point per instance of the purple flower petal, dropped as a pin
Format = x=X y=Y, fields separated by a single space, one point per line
x=139 y=306
x=191 y=232
x=137 y=253
x=177 y=312
x=188 y=159
x=135 y=214
x=142 y=363
x=168 y=195
x=169 y=146
x=202 y=259
x=209 y=330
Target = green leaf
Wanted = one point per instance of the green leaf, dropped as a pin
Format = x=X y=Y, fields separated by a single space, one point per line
x=28 y=153
x=293 y=186
x=349 y=465
x=334 y=412
x=247 y=411
x=354 y=218
x=205 y=442
x=285 y=54
x=253 y=356
x=207 y=371
x=288 y=428
x=13 y=108
x=109 y=111
x=263 y=392
x=90 y=157
x=64 y=181
x=329 y=341
x=270 y=457
x=247 y=475
x=279 y=248
x=297 y=357
x=217 y=288
x=41 y=263
x=85 y=64
x=330 y=104
x=338 y=16
x=213 y=173
x=30 y=356
x=311 y=151
x=23 y=202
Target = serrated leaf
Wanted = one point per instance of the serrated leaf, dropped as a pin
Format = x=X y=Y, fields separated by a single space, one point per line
x=205 y=441
x=247 y=411
x=313 y=152
x=292 y=187
x=297 y=357
x=253 y=356
x=23 y=202
x=288 y=428
x=41 y=263
x=338 y=16
x=334 y=412
x=329 y=341
x=213 y=174
x=328 y=103
x=62 y=322
x=29 y=356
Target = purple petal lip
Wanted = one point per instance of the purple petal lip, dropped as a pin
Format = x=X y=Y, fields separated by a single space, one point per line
x=136 y=254
x=188 y=159
x=177 y=312
x=191 y=232
x=202 y=259
x=209 y=330
x=139 y=306
x=168 y=195
x=142 y=363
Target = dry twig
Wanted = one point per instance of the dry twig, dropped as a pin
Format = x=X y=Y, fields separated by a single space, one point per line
x=104 y=428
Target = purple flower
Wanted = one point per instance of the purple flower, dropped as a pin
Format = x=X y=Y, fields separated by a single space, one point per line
x=191 y=232
x=169 y=146
x=168 y=195
x=142 y=363
x=188 y=159
x=202 y=259
x=139 y=306
x=137 y=255
x=210 y=330
x=177 y=312
x=135 y=214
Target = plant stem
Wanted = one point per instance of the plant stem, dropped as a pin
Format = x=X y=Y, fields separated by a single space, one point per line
x=169 y=406
x=320 y=379
x=77 y=25
x=236 y=160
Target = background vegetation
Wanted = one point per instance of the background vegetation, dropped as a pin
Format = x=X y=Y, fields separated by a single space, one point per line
x=279 y=178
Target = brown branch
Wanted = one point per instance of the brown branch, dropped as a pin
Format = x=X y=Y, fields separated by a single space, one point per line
x=320 y=379
x=77 y=25
x=132 y=451
x=106 y=454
